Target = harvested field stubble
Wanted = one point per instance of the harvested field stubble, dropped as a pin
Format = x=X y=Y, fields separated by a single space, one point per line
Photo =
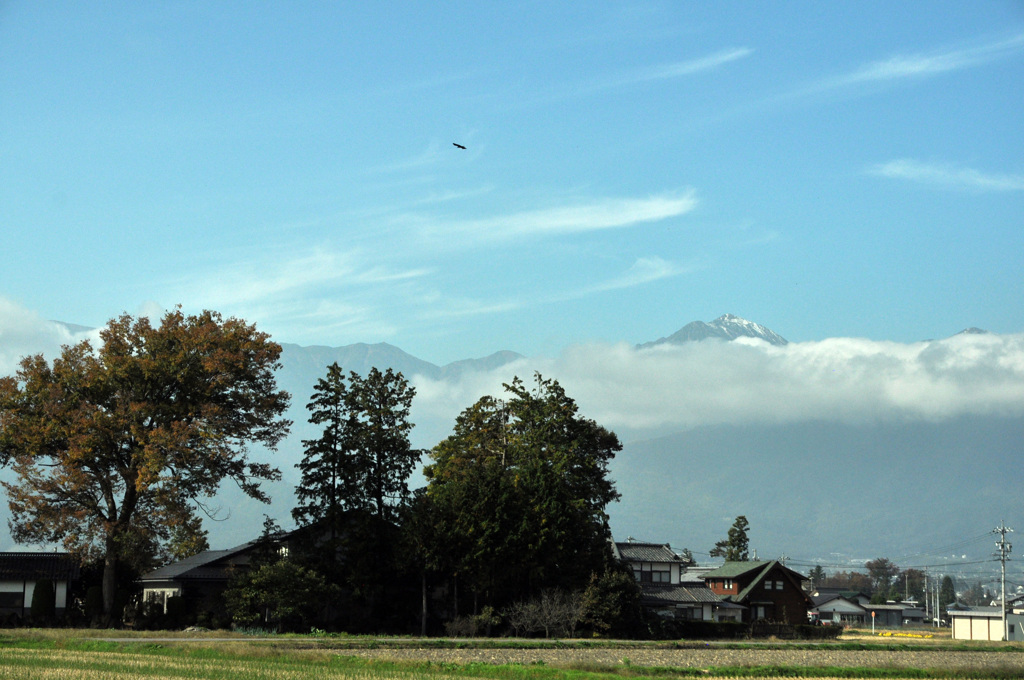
x=64 y=654
x=711 y=657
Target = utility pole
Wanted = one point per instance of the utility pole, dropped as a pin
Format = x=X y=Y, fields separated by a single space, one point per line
x=1004 y=551
x=927 y=597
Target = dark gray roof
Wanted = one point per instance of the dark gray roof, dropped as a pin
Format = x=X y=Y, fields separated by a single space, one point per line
x=983 y=612
x=823 y=598
x=678 y=595
x=32 y=566
x=634 y=551
x=735 y=569
x=207 y=565
x=694 y=575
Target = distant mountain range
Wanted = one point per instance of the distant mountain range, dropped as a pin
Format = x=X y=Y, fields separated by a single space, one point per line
x=808 y=489
x=303 y=366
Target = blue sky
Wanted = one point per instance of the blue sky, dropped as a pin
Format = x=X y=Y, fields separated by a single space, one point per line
x=826 y=169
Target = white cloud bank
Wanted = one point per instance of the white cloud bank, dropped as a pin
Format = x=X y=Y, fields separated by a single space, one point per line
x=672 y=387
x=23 y=332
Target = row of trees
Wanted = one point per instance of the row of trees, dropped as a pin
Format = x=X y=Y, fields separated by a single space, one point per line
x=511 y=524
x=884 y=581
x=514 y=505
x=117 y=449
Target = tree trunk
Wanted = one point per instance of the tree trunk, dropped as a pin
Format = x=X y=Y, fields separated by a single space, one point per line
x=423 y=618
x=109 y=583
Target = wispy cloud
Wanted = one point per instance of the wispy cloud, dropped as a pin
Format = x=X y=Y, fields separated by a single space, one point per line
x=426 y=157
x=892 y=70
x=928 y=64
x=307 y=296
x=641 y=75
x=645 y=270
x=288 y=277
x=948 y=176
x=455 y=307
x=596 y=215
x=668 y=71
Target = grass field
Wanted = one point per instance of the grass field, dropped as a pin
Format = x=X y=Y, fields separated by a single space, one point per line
x=102 y=655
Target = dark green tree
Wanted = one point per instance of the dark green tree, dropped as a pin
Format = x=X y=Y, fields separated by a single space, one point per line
x=518 y=494
x=611 y=604
x=354 y=487
x=114 y=450
x=380 y=440
x=882 y=571
x=281 y=594
x=947 y=592
x=363 y=459
x=327 y=486
x=735 y=547
x=817 y=576
x=44 y=602
x=976 y=595
x=910 y=584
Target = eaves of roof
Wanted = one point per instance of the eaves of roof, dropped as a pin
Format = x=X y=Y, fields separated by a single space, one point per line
x=646 y=552
x=198 y=566
x=33 y=566
x=676 y=594
x=736 y=569
x=757 y=580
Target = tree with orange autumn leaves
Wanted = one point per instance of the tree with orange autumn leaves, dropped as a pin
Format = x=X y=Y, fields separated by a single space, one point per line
x=116 y=449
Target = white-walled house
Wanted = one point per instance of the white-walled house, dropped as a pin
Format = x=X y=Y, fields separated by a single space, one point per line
x=21 y=571
x=837 y=610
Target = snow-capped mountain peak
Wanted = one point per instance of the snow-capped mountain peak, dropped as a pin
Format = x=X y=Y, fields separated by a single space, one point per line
x=725 y=327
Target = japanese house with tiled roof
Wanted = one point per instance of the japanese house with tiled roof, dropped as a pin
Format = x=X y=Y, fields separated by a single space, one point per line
x=202 y=578
x=769 y=590
x=20 y=572
x=667 y=586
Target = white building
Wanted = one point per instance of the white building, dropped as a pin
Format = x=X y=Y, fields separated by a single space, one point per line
x=986 y=623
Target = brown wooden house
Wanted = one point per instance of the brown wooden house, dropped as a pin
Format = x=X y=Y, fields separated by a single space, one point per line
x=769 y=590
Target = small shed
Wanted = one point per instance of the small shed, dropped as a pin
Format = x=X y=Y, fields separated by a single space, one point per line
x=985 y=623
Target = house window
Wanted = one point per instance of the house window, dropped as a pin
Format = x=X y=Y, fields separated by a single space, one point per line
x=767 y=585
x=661 y=576
x=778 y=585
x=727 y=584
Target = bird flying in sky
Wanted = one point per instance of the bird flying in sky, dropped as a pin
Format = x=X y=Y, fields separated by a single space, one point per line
x=458 y=145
